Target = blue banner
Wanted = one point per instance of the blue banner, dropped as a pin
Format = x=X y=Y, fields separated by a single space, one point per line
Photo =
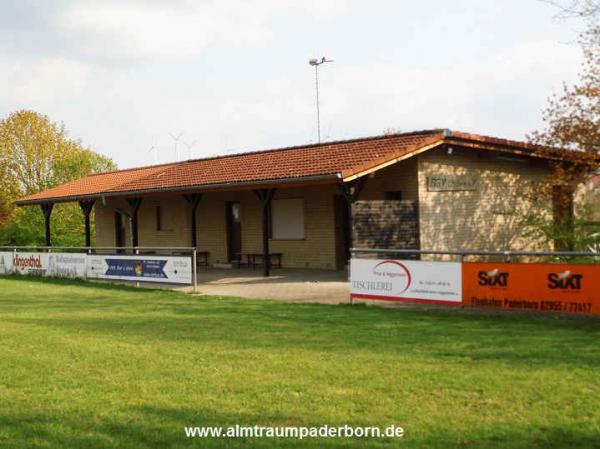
x=139 y=268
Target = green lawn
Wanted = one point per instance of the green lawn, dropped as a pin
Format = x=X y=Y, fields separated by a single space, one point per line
x=99 y=366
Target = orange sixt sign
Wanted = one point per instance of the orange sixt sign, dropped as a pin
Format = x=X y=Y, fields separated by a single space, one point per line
x=542 y=287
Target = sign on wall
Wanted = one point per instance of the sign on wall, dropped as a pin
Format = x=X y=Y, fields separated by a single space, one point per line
x=449 y=183
x=163 y=269
x=404 y=280
x=68 y=265
x=537 y=287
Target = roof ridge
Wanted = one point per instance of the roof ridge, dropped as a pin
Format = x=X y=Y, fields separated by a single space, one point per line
x=320 y=144
x=122 y=170
x=273 y=150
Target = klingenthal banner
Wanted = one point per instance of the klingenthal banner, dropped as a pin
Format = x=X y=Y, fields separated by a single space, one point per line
x=69 y=265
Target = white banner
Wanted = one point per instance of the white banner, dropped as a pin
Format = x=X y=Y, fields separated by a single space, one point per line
x=406 y=280
x=163 y=269
x=6 y=259
x=69 y=265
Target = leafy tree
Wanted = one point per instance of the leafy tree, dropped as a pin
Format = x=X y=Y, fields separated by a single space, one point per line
x=572 y=122
x=37 y=154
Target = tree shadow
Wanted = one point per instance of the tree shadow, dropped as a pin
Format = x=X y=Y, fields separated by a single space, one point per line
x=346 y=329
x=153 y=427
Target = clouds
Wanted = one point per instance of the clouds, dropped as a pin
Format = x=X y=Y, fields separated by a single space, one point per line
x=126 y=30
x=131 y=30
x=501 y=94
x=233 y=74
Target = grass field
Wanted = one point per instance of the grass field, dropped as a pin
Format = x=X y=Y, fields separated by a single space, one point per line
x=99 y=366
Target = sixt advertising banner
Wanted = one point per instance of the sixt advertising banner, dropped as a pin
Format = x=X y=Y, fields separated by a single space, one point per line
x=68 y=265
x=530 y=286
x=404 y=280
x=163 y=269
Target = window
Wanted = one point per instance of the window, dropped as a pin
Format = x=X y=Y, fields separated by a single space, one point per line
x=164 y=220
x=396 y=195
x=287 y=218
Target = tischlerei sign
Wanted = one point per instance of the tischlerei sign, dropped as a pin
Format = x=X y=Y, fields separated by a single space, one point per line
x=405 y=280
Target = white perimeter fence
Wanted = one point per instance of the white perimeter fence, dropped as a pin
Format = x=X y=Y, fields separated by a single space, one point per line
x=164 y=265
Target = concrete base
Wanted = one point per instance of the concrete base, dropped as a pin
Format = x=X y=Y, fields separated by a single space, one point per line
x=301 y=285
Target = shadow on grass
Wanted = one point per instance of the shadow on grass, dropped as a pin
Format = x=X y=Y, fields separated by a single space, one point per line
x=83 y=283
x=163 y=427
x=142 y=316
x=337 y=330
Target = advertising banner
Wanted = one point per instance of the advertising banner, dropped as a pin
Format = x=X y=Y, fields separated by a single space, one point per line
x=532 y=286
x=406 y=280
x=6 y=258
x=68 y=265
x=163 y=269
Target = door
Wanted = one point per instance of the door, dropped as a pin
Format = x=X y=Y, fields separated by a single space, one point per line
x=119 y=232
x=234 y=231
x=342 y=240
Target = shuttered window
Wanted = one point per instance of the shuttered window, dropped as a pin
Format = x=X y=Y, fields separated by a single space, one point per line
x=287 y=218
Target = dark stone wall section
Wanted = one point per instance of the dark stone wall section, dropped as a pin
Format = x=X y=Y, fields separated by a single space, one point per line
x=388 y=224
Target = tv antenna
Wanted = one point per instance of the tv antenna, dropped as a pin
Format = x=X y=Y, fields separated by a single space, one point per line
x=316 y=63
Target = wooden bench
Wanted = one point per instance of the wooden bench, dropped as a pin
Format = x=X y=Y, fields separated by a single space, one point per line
x=251 y=257
x=202 y=258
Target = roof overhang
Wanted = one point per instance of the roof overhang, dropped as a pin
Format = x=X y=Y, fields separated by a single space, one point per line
x=331 y=178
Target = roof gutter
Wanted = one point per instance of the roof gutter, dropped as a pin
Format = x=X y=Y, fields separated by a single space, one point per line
x=204 y=187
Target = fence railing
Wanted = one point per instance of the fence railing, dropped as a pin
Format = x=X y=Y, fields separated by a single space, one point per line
x=470 y=253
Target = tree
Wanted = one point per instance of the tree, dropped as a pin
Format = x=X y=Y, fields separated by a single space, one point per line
x=37 y=154
x=588 y=9
x=572 y=121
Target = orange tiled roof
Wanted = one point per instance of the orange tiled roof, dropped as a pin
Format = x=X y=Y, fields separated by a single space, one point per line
x=335 y=160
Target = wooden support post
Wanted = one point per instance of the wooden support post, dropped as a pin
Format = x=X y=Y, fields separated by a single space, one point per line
x=134 y=204
x=265 y=196
x=193 y=200
x=47 y=211
x=351 y=192
x=86 y=207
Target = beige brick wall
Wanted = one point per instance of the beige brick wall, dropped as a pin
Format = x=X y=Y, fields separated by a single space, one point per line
x=489 y=218
x=401 y=176
x=176 y=236
x=105 y=225
x=316 y=250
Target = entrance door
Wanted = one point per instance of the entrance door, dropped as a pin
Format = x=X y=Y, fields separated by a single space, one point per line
x=234 y=231
x=342 y=239
x=119 y=231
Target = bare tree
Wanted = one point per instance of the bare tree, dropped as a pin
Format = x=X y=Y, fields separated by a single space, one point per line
x=588 y=9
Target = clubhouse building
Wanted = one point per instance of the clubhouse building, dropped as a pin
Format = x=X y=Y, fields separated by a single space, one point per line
x=305 y=206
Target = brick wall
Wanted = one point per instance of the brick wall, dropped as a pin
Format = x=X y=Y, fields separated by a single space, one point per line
x=398 y=177
x=487 y=218
x=316 y=250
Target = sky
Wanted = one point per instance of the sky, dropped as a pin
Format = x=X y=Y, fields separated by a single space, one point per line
x=155 y=81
